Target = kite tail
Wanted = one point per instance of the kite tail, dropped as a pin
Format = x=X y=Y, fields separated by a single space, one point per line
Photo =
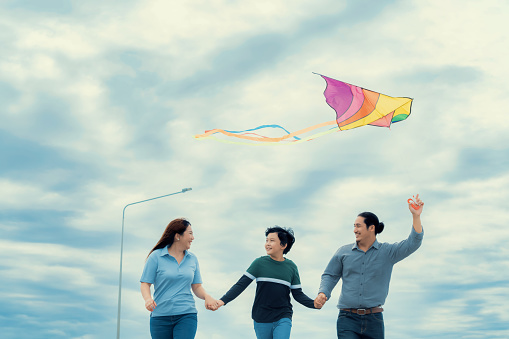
x=246 y=135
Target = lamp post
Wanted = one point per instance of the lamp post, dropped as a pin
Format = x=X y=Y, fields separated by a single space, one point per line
x=122 y=251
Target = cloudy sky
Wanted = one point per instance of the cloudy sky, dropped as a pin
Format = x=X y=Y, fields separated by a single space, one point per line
x=99 y=104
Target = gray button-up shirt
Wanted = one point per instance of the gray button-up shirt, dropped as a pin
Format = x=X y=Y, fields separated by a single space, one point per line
x=366 y=275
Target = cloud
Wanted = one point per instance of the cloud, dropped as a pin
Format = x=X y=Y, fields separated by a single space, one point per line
x=100 y=103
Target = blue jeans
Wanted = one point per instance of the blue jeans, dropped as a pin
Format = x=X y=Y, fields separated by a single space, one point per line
x=354 y=326
x=277 y=330
x=182 y=326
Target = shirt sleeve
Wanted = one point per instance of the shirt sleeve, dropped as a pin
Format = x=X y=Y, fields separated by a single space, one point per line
x=197 y=275
x=295 y=277
x=302 y=298
x=254 y=269
x=244 y=281
x=236 y=289
x=330 y=277
x=297 y=292
x=400 y=250
x=150 y=270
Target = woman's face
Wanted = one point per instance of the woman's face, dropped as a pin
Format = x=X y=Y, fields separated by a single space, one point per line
x=187 y=238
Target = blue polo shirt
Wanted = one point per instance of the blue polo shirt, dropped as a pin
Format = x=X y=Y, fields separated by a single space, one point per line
x=172 y=282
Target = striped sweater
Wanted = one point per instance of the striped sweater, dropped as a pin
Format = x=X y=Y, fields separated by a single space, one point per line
x=274 y=281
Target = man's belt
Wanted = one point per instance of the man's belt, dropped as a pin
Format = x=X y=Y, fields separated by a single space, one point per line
x=363 y=311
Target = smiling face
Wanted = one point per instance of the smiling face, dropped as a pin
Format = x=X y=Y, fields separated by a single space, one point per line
x=273 y=246
x=363 y=234
x=185 y=239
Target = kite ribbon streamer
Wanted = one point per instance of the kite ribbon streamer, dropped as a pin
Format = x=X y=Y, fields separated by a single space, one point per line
x=263 y=138
x=354 y=106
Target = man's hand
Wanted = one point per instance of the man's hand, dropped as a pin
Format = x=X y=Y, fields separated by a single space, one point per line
x=416 y=214
x=419 y=203
x=320 y=300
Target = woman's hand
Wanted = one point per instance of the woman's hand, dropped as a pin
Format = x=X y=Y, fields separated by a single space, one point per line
x=213 y=305
x=150 y=304
x=210 y=303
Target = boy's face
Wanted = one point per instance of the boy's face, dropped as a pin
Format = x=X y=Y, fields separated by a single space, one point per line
x=273 y=245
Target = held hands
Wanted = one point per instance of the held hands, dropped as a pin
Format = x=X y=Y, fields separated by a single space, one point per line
x=212 y=304
x=320 y=300
x=150 y=304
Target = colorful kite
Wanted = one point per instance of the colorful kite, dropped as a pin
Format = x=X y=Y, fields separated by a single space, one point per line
x=354 y=106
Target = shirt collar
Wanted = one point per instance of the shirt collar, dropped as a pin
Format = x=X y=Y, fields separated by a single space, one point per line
x=376 y=245
x=165 y=252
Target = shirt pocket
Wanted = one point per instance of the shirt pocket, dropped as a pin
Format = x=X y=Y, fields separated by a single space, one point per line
x=378 y=267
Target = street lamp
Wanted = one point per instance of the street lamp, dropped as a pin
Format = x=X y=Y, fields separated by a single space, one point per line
x=122 y=251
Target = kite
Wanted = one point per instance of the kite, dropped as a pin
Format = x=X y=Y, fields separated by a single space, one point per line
x=355 y=107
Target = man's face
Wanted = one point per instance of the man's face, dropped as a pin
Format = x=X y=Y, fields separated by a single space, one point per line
x=360 y=230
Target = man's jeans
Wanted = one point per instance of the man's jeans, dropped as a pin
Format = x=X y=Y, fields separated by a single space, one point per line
x=277 y=330
x=182 y=326
x=354 y=326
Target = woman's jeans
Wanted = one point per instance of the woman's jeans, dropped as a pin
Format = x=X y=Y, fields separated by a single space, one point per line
x=277 y=330
x=182 y=326
x=355 y=326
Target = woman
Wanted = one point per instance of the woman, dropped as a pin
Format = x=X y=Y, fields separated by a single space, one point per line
x=275 y=277
x=174 y=271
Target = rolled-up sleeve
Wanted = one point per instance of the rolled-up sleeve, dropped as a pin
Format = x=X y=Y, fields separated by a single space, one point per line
x=400 y=250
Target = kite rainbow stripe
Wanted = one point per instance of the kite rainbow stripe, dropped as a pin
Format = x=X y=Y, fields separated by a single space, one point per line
x=355 y=107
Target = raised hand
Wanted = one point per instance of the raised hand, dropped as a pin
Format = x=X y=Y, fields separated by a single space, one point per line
x=418 y=203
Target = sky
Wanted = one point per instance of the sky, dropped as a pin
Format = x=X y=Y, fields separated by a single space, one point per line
x=100 y=102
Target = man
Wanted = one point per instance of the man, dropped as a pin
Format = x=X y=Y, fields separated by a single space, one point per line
x=366 y=268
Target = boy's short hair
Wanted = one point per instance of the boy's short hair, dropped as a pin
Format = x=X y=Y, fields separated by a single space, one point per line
x=285 y=235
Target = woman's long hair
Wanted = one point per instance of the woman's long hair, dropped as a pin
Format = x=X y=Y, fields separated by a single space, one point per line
x=175 y=226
